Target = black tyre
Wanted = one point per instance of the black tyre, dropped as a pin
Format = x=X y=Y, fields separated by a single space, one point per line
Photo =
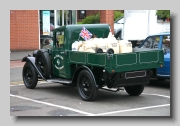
x=118 y=35
x=43 y=63
x=86 y=86
x=30 y=76
x=134 y=90
x=35 y=52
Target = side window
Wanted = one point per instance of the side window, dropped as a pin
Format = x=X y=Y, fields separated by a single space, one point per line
x=60 y=39
x=151 y=42
x=166 y=41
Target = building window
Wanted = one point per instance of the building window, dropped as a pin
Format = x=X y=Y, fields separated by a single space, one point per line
x=82 y=14
x=160 y=20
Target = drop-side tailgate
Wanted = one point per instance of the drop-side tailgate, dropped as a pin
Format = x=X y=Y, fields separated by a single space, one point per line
x=138 y=60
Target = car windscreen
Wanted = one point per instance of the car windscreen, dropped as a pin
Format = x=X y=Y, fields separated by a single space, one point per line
x=152 y=42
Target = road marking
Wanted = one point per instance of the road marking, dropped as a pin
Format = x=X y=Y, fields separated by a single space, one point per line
x=158 y=95
x=91 y=114
x=113 y=112
x=53 y=105
x=14 y=83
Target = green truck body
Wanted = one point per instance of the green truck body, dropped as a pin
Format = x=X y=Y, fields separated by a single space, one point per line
x=91 y=71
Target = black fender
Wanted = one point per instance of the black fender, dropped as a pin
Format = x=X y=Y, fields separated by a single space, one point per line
x=32 y=61
x=119 y=30
x=78 y=70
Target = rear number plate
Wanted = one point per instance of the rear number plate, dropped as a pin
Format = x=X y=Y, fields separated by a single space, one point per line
x=135 y=74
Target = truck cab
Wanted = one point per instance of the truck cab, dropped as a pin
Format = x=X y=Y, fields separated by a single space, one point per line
x=63 y=38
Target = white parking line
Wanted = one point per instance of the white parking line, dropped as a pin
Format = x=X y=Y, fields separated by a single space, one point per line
x=86 y=113
x=53 y=105
x=107 y=113
x=91 y=114
x=158 y=95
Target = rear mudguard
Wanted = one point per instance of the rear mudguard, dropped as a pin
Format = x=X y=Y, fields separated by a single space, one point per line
x=32 y=61
x=78 y=70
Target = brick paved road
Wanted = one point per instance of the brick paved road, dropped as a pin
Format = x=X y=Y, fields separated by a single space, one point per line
x=16 y=64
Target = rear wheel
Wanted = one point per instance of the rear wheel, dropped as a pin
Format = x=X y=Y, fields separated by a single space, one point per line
x=86 y=86
x=134 y=90
x=30 y=76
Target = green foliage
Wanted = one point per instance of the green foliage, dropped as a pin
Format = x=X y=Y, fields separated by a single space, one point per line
x=79 y=22
x=95 y=19
x=163 y=13
x=118 y=14
x=92 y=19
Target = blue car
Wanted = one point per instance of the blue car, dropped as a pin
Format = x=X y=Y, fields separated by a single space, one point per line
x=160 y=41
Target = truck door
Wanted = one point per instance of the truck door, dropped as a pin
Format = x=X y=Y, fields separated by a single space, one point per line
x=59 y=58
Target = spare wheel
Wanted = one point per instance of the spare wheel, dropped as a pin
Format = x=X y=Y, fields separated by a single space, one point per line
x=43 y=62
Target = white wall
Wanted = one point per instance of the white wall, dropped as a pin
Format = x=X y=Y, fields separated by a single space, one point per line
x=155 y=26
x=138 y=24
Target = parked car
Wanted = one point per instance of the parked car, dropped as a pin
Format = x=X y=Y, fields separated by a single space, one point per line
x=160 y=41
x=118 y=26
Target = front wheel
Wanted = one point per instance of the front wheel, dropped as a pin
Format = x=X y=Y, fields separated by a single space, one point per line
x=30 y=76
x=86 y=86
x=134 y=90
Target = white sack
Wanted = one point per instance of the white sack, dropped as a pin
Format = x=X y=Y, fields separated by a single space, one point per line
x=113 y=44
x=101 y=43
x=88 y=46
x=125 y=46
x=76 y=45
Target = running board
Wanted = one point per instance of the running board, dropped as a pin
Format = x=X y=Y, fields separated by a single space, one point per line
x=111 y=89
x=63 y=81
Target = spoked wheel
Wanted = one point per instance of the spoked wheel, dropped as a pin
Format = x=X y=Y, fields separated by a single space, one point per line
x=30 y=76
x=86 y=86
x=43 y=63
x=134 y=90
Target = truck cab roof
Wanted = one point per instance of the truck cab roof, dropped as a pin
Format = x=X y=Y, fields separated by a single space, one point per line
x=75 y=26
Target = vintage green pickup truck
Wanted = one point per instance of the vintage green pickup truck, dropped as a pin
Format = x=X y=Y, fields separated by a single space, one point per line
x=90 y=71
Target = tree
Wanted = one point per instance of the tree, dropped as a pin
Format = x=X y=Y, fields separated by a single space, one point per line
x=95 y=19
x=163 y=13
